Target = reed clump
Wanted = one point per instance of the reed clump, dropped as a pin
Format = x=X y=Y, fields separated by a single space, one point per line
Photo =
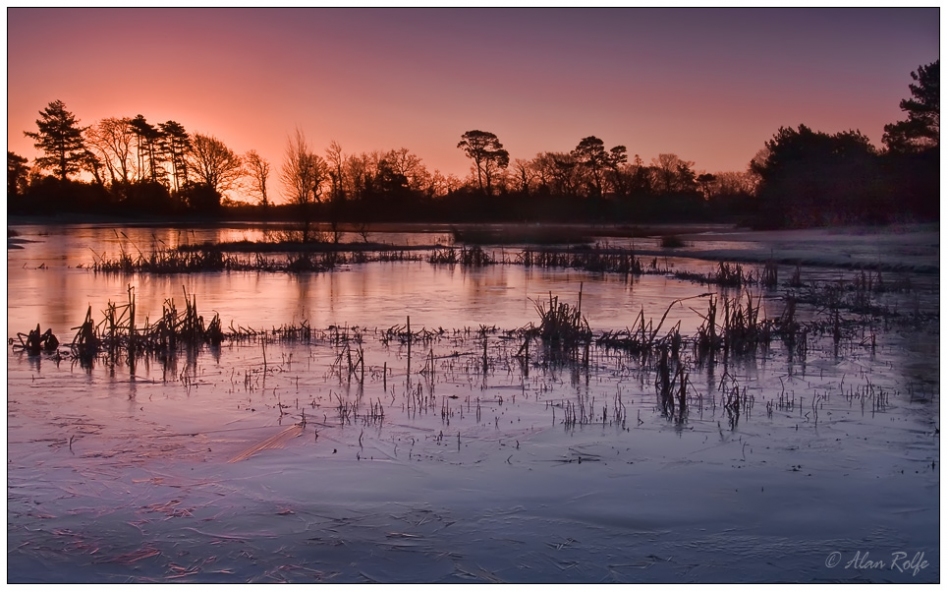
x=561 y=324
x=671 y=385
x=768 y=277
x=730 y=276
x=36 y=341
x=164 y=260
x=739 y=330
x=208 y=257
x=640 y=339
x=119 y=333
x=467 y=257
x=596 y=259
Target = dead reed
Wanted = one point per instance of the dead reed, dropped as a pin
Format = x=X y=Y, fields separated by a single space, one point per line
x=466 y=257
x=209 y=257
x=596 y=259
x=36 y=341
x=739 y=330
x=119 y=333
x=561 y=324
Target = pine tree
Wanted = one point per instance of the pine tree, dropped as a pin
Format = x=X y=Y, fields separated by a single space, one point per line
x=921 y=129
x=60 y=138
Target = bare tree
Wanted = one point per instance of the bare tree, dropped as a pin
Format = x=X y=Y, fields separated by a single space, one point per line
x=403 y=162
x=303 y=175
x=557 y=171
x=336 y=161
x=525 y=174
x=257 y=171
x=358 y=175
x=673 y=174
x=214 y=164
x=111 y=140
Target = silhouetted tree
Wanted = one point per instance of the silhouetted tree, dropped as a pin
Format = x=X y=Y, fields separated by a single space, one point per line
x=336 y=160
x=60 y=139
x=441 y=185
x=488 y=155
x=403 y=162
x=257 y=171
x=705 y=181
x=921 y=129
x=615 y=161
x=93 y=165
x=213 y=163
x=525 y=175
x=640 y=177
x=147 y=137
x=303 y=175
x=811 y=178
x=17 y=172
x=912 y=162
x=111 y=140
x=590 y=156
x=175 y=145
x=672 y=174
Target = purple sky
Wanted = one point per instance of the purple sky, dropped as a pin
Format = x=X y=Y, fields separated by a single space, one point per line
x=711 y=85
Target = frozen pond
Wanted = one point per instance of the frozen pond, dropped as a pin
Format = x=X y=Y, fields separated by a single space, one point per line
x=455 y=459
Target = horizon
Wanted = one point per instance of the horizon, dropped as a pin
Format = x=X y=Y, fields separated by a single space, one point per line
x=709 y=85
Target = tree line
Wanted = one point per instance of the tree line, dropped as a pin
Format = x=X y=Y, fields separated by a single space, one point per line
x=800 y=178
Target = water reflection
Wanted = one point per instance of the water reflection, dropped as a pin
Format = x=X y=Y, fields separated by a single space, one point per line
x=49 y=283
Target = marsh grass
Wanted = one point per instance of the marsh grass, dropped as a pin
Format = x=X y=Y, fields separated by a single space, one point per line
x=561 y=324
x=640 y=340
x=731 y=326
x=118 y=331
x=120 y=335
x=209 y=258
x=164 y=260
x=768 y=277
x=738 y=330
x=671 y=385
x=596 y=259
x=466 y=257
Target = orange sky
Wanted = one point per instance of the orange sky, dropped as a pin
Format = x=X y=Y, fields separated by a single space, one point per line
x=711 y=85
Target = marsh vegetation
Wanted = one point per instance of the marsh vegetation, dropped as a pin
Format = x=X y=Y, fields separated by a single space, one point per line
x=379 y=419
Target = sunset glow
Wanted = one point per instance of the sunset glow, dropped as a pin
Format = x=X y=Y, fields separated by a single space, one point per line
x=711 y=85
x=473 y=295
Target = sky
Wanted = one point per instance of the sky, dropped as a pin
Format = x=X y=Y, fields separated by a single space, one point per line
x=710 y=85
